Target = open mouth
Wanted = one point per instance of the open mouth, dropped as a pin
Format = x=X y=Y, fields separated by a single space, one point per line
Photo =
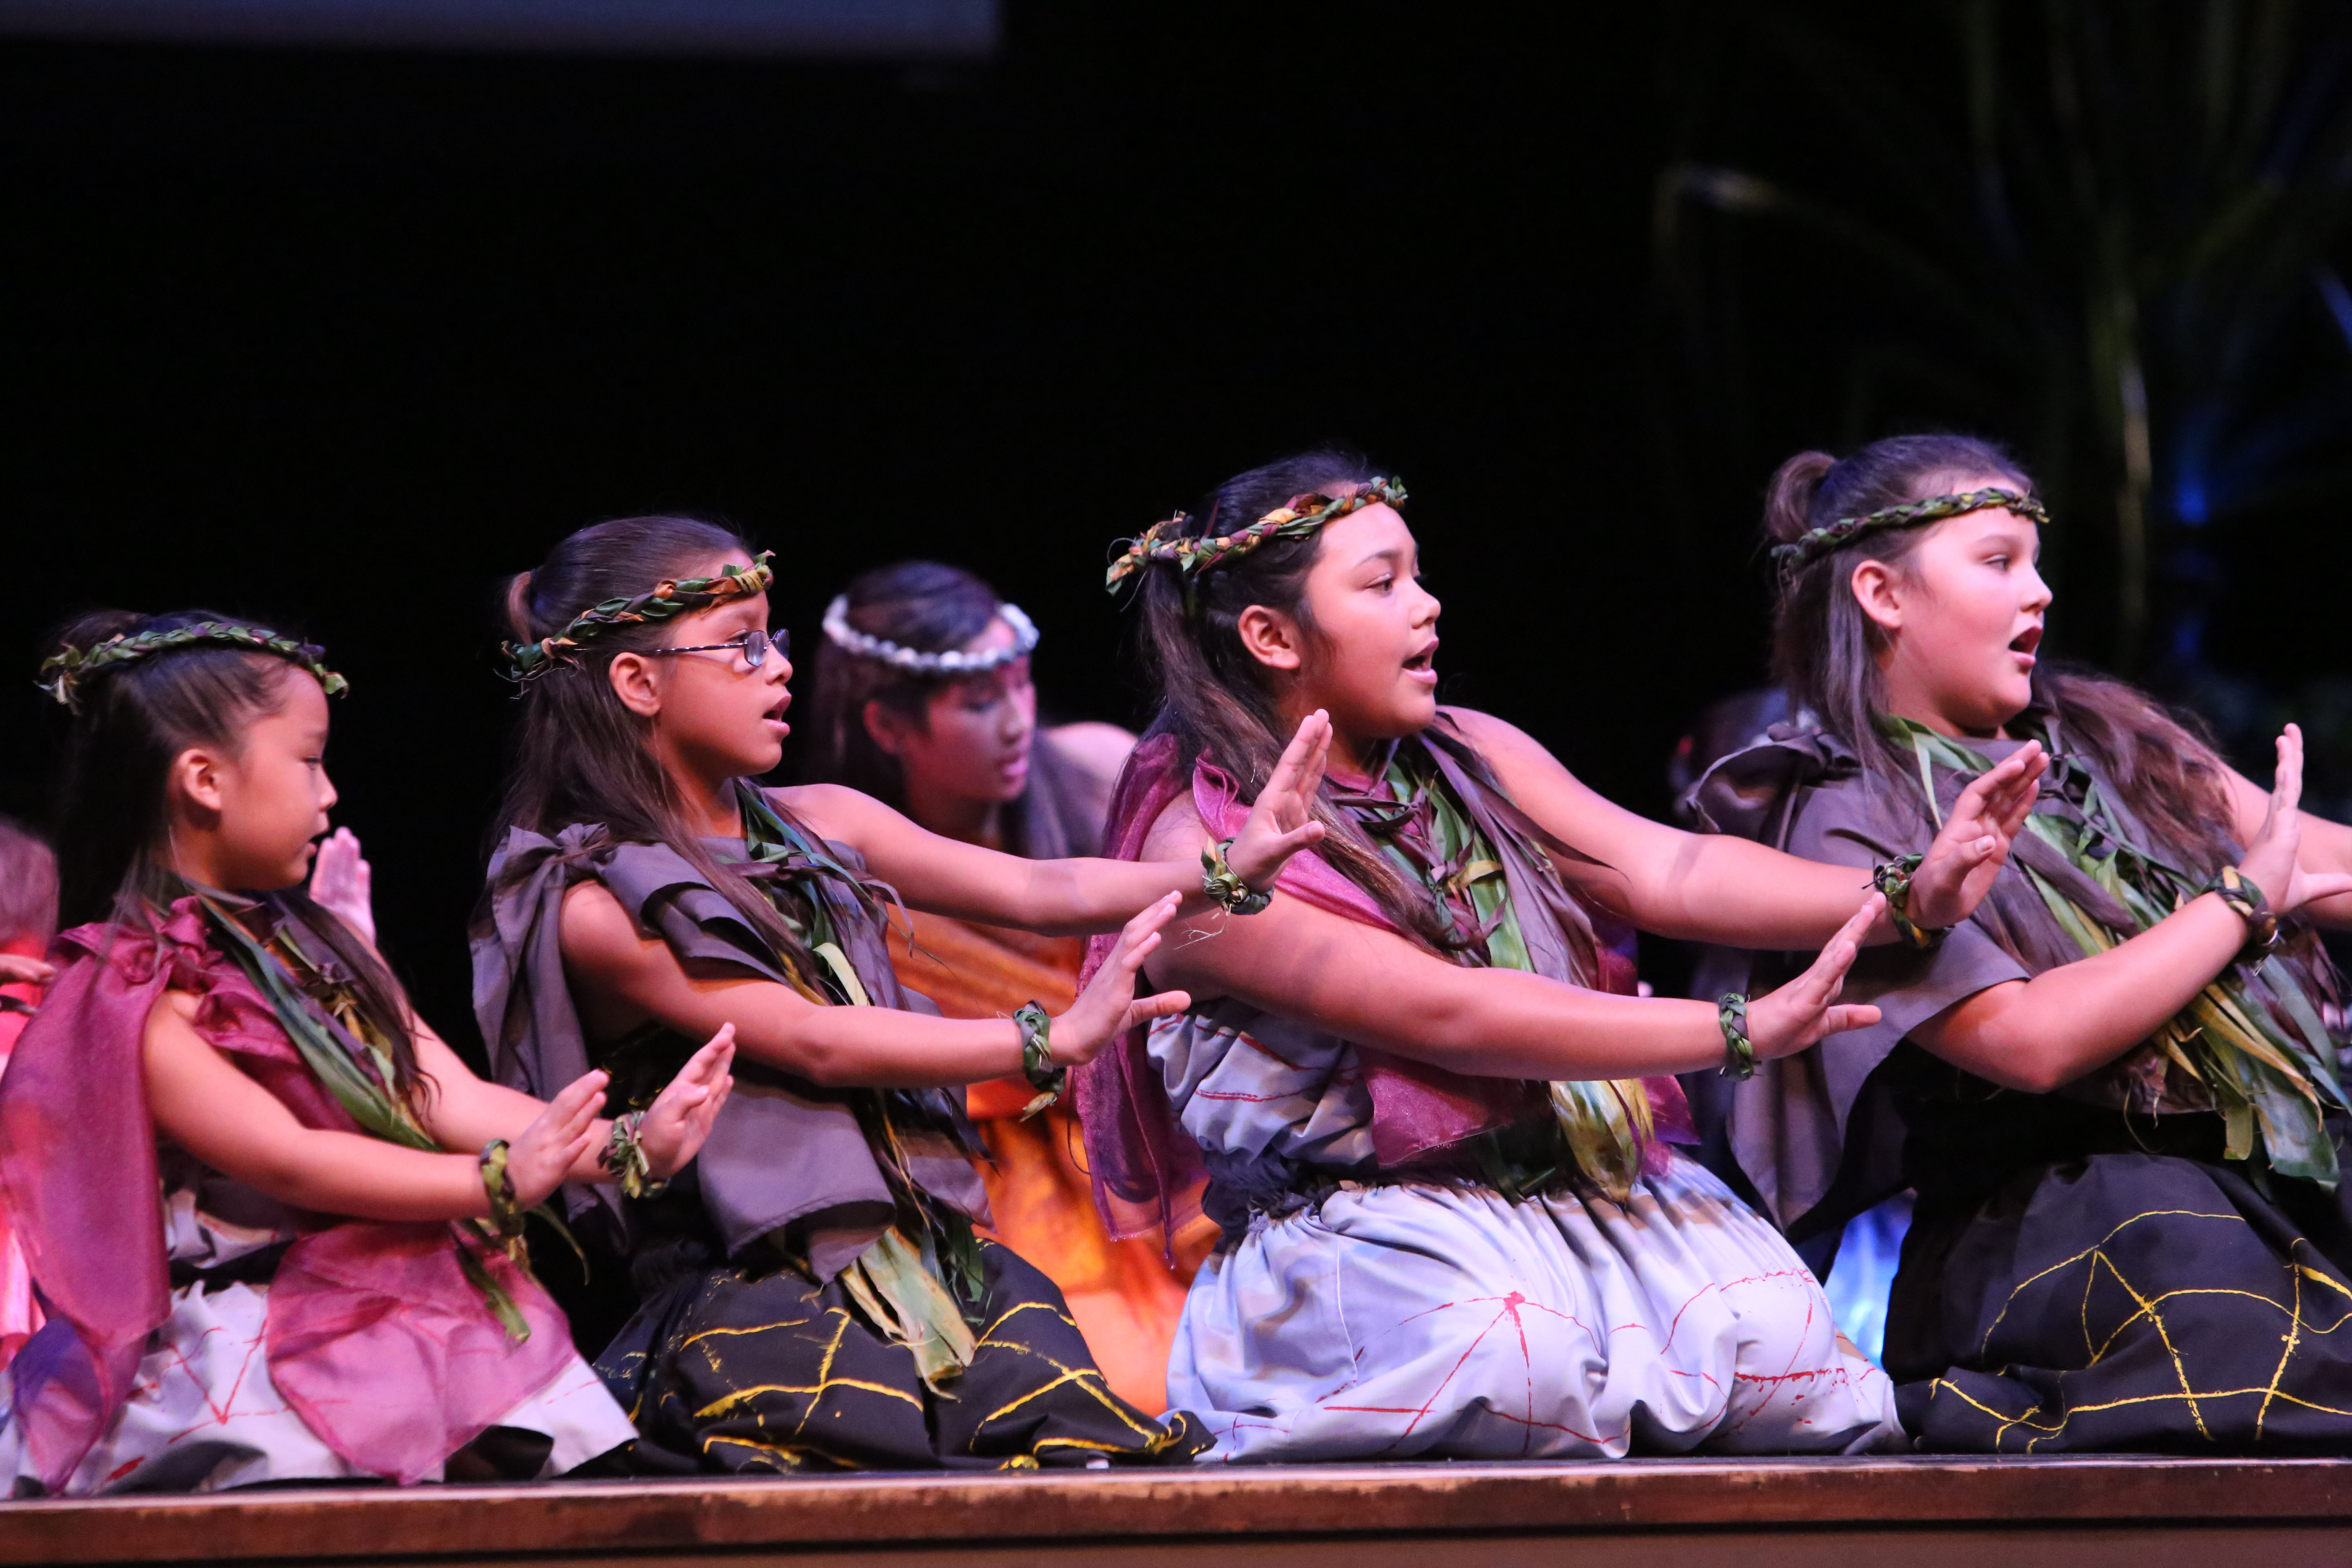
x=775 y=714
x=1423 y=663
x=2025 y=642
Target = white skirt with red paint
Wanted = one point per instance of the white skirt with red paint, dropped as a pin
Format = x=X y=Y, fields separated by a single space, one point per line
x=1432 y=1322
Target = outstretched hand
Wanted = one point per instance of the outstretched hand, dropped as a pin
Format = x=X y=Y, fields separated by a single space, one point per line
x=1109 y=1006
x=2270 y=862
x=340 y=881
x=679 y=1118
x=540 y=1160
x=21 y=969
x=1283 y=822
x=1960 y=866
x=1805 y=1010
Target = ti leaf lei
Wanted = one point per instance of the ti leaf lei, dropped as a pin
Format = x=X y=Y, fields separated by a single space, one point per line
x=906 y=1273
x=1605 y=1123
x=359 y=1085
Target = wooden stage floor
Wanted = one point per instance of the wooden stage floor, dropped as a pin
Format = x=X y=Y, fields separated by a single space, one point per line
x=2108 y=1512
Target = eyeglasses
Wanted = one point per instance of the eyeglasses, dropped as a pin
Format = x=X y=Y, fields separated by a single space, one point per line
x=752 y=646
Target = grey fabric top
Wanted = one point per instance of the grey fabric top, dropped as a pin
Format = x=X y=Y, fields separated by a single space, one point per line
x=1789 y=1123
x=784 y=1153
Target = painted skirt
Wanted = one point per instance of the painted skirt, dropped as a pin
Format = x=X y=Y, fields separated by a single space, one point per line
x=205 y=1415
x=2128 y=1302
x=1428 y=1322
x=733 y=1370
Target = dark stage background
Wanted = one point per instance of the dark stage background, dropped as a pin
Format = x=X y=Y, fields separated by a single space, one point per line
x=339 y=338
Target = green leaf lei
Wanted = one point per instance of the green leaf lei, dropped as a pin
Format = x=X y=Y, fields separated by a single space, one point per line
x=1605 y=1122
x=2271 y=1084
x=909 y=1283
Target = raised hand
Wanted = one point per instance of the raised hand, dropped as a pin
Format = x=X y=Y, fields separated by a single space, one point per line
x=679 y=1118
x=340 y=881
x=1283 y=822
x=1786 y=1021
x=2271 y=861
x=540 y=1160
x=1109 y=1006
x=1965 y=857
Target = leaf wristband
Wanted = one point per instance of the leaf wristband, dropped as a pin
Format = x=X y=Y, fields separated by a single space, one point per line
x=1037 y=1058
x=1894 y=879
x=505 y=1208
x=624 y=1158
x=1224 y=888
x=2246 y=901
x=1739 y=1051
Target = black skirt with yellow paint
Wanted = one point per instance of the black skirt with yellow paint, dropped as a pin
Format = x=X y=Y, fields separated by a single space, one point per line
x=750 y=1371
x=2074 y=1283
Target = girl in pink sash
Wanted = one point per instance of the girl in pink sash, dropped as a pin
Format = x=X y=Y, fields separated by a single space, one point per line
x=244 y=1172
x=1416 y=1092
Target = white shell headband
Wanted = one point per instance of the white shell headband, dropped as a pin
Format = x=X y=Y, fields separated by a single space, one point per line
x=914 y=661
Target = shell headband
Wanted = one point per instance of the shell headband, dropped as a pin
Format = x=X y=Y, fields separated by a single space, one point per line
x=1302 y=516
x=1816 y=543
x=63 y=674
x=954 y=662
x=671 y=598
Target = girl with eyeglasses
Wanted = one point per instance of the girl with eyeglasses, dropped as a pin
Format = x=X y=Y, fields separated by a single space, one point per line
x=811 y=1294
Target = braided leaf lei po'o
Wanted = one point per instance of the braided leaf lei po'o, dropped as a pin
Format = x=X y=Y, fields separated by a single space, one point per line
x=667 y=599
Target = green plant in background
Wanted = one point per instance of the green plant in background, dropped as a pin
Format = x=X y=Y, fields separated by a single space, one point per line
x=2106 y=231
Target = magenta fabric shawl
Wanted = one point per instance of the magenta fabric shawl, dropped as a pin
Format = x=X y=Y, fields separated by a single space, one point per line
x=1147 y=1170
x=374 y=1336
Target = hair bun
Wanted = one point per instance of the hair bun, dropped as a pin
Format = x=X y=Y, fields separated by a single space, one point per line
x=1789 y=498
x=87 y=630
x=518 y=607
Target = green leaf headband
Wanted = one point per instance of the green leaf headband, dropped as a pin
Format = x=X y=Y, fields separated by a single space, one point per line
x=63 y=674
x=1816 y=543
x=1302 y=516
x=671 y=598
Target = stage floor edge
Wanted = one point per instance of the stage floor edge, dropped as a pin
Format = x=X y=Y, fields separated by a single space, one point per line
x=2127 y=1512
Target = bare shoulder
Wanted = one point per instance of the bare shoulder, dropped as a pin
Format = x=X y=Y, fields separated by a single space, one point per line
x=1499 y=741
x=830 y=810
x=1177 y=833
x=596 y=931
x=173 y=1011
x=1097 y=749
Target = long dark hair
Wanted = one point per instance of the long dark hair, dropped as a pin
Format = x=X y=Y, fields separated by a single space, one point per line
x=113 y=822
x=1825 y=650
x=1217 y=700
x=580 y=755
x=930 y=607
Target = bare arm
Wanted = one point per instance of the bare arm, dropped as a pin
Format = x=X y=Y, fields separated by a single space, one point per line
x=233 y=1124
x=2041 y=1032
x=2038 y=1033
x=623 y=978
x=1378 y=989
x=1073 y=897
x=1718 y=888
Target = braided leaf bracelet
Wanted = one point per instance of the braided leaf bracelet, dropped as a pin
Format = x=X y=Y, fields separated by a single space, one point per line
x=1894 y=879
x=506 y=1205
x=1037 y=1058
x=1739 y=1051
x=2246 y=901
x=624 y=1158
x=1220 y=882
